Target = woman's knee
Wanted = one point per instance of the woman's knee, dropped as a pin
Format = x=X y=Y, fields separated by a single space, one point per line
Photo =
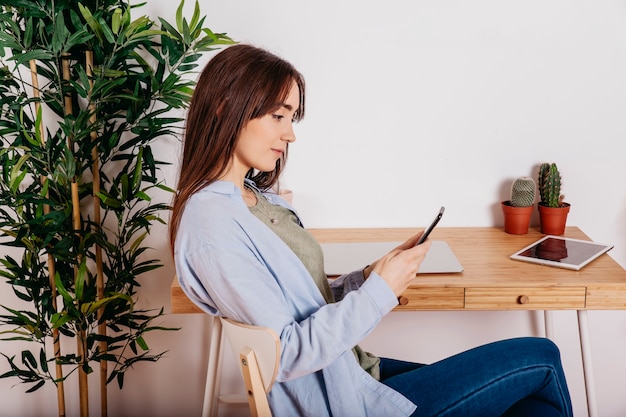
x=541 y=348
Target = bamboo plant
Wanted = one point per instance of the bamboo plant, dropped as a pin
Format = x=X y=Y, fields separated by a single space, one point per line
x=85 y=91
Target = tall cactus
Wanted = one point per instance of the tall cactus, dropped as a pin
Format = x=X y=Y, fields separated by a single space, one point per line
x=549 y=180
x=523 y=192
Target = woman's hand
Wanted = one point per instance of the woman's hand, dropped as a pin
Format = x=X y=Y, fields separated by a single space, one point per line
x=399 y=266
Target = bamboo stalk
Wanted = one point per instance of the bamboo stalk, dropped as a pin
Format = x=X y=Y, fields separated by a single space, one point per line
x=95 y=171
x=56 y=341
x=81 y=340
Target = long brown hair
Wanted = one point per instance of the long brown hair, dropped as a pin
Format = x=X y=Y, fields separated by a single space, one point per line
x=238 y=84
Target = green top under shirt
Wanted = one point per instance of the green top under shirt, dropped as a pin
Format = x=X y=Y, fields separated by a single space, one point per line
x=285 y=224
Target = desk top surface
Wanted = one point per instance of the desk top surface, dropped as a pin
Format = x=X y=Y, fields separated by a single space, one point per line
x=485 y=254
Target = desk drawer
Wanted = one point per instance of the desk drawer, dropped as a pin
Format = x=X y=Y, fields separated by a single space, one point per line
x=525 y=298
x=606 y=297
x=432 y=299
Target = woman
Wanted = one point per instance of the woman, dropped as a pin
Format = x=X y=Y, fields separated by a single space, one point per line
x=241 y=252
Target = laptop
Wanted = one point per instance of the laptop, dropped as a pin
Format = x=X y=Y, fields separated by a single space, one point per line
x=341 y=258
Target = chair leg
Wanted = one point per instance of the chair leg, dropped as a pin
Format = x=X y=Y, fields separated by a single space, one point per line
x=213 y=376
x=257 y=397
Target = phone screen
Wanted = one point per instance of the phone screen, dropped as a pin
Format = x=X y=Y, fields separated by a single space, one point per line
x=431 y=227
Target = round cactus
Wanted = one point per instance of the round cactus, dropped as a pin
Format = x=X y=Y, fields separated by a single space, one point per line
x=523 y=192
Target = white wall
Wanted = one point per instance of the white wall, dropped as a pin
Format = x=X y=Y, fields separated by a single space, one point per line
x=414 y=105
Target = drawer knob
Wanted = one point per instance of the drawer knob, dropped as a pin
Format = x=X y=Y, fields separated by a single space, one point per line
x=523 y=299
x=403 y=300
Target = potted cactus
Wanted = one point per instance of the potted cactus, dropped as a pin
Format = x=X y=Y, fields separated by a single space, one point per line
x=553 y=210
x=518 y=210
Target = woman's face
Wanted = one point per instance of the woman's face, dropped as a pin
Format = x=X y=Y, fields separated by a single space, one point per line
x=264 y=140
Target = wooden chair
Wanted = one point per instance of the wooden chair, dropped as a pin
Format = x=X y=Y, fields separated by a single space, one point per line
x=258 y=350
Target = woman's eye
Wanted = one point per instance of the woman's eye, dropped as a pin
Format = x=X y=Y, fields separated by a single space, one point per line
x=278 y=116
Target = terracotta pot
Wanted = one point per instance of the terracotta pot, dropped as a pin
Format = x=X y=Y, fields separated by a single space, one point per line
x=516 y=219
x=553 y=219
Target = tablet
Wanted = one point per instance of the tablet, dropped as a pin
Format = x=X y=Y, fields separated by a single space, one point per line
x=562 y=252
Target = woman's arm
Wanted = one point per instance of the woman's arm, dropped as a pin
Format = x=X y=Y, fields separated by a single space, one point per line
x=239 y=285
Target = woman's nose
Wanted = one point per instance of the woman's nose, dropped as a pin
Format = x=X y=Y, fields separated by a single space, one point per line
x=289 y=135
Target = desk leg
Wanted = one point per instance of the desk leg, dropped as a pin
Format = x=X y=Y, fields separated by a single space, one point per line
x=549 y=324
x=585 y=347
x=213 y=375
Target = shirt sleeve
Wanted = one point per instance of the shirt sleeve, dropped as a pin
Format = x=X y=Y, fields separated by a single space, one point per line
x=238 y=284
x=346 y=283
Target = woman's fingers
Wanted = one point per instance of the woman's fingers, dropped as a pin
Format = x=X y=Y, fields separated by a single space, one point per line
x=410 y=242
x=399 y=266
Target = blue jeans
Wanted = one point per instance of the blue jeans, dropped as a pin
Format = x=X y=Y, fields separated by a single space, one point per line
x=520 y=377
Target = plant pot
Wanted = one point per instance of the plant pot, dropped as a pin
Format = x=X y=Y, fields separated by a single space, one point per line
x=553 y=219
x=516 y=219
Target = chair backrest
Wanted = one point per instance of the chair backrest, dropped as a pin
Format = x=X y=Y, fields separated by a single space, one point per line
x=258 y=351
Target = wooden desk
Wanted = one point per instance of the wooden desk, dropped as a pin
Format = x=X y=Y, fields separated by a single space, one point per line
x=492 y=281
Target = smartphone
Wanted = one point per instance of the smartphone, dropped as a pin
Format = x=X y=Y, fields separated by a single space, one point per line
x=431 y=227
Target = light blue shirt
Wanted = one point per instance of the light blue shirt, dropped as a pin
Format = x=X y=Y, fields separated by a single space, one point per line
x=231 y=264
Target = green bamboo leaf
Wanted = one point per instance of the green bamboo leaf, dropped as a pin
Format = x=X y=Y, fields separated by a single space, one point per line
x=120 y=379
x=195 y=18
x=148 y=34
x=196 y=30
x=43 y=360
x=78 y=38
x=92 y=307
x=28 y=359
x=36 y=386
x=179 y=16
x=21 y=319
x=137 y=174
x=143 y=196
x=22 y=296
x=125 y=186
x=126 y=18
x=106 y=31
x=36 y=54
x=91 y=21
x=187 y=67
x=60 y=34
x=38 y=121
x=28 y=33
x=142 y=343
x=108 y=200
x=17 y=175
x=70 y=163
x=10 y=42
x=61 y=289
x=116 y=21
x=170 y=31
x=186 y=33
x=60 y=319
x=81 y=278
x=77 y=22
x=84 y=81
x=137 y=242
x=137 y=25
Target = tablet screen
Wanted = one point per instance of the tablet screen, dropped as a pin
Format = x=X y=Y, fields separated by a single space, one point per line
x=561 y=252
